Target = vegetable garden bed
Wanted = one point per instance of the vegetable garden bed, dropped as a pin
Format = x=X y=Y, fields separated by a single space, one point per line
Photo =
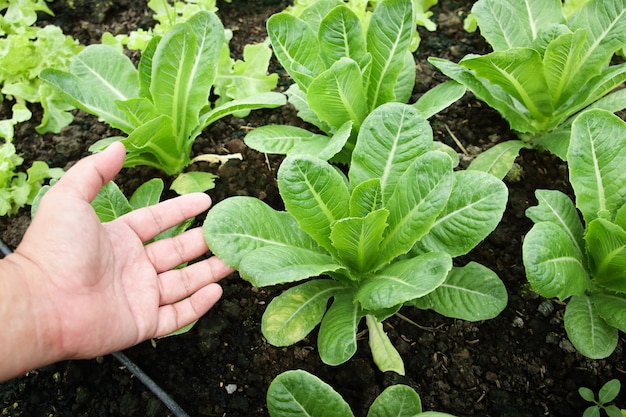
x=520 y=363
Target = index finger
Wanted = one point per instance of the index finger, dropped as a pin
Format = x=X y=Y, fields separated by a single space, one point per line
x=149 y=221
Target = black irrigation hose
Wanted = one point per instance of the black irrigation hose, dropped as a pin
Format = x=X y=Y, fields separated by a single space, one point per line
x=151 y=385
x=132 y=367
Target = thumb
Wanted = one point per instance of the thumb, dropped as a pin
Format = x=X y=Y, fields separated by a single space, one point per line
x=86 y=178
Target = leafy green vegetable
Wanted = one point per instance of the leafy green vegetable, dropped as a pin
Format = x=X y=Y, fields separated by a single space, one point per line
x=364 y=8
x=344 y=64
x=584 y=263
x=385 y=236
x=545 y=68
x=164 y=104
x=18 y=189
x=297 y=393
x=25 y=50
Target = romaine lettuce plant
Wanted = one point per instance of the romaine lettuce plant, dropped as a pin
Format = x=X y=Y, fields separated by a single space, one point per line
x=164 y=104
x=344 y=67
x=25 y=50
x=544 y=69
x=297 y=393
x=383 y=237
x=584 y=263
x=364 y=8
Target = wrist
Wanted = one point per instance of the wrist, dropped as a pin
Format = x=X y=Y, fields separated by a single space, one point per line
x=32 y=338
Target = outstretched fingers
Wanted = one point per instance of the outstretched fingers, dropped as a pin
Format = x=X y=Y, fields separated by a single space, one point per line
x=178 y=284
x=169 y=253
x=172 y=317
x=149 y=221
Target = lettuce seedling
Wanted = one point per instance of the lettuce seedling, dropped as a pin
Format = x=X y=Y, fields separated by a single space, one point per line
x=608 y=392
x=544 y=70
x=384 y=236
x=291 y=394
x=164 y=104
x=344 y=66
x=167 y=14
x=18 y=189
x=25 y=50
x=584 y=263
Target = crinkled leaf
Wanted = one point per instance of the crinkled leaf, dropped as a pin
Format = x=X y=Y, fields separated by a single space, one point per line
x=404 y=280
x=390 y=139
x=587 y=331
x=596 y=161
x=337 y=95
x=297 y=98
x=366 y=198
x=296 y=47
x=315 y=11
x=562 y=63
x=99 y=75
x=238 y=225
x=493 y=95
x=358 y=239
x=611 y=307
x=388 y=39
x=519 y=72
x=406 y=79
x=139 y=110
x=340 y=35
x=249 y=76
x=297 y=393
x=385 y=355
x=183 y=70
x=470 y=215
x=606 y=246
x=473 y=293
x=604 y=21
x=336 y=340
x=292 y=315
x=555 y=207
x=315 y=194
x=420 y=196
x=272 y=265
x=154 y=144
x=512 y=23
x=554 y=265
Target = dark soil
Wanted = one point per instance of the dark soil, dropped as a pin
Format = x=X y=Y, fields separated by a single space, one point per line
x=518 y=364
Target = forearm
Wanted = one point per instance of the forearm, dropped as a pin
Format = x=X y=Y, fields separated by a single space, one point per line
x=28 y=339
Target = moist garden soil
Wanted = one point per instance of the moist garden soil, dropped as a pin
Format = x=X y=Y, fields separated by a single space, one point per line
x=518 y=364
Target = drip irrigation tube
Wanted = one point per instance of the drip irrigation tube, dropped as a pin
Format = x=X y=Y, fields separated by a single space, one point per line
x=132 y=367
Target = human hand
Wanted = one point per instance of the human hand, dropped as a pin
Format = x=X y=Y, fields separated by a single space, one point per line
x=94 y=287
